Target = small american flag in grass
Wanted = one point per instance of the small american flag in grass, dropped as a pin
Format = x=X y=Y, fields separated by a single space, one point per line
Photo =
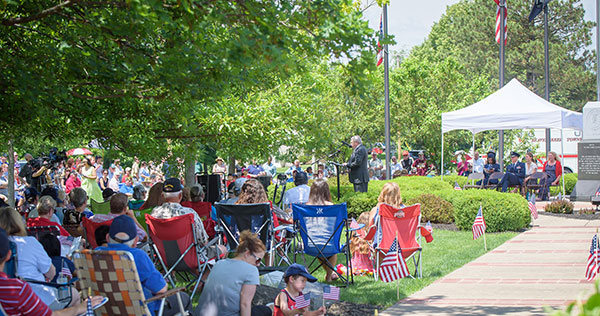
x=478 y=225
x=302 y=301
x=393 y=266
x=456 y=186
x=592 y=264
x=532 y=207
x=331 y=292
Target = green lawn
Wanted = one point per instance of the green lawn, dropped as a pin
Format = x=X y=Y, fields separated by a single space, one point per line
x=448 y=251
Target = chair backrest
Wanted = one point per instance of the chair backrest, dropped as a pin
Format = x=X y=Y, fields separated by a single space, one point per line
x=202 y=208
x=10 y=266
x=89 y=230
x=112 y=274
x=100 y=207
x=140 y=215
x=320 y=227
x=37 y=231
x=172 y=238
x=538 y=175
x=496 y=176
x=135 y=205
x=405 y=227
x=235 y=218
x=476 y=176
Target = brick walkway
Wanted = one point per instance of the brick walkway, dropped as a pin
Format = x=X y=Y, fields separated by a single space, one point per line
x=544 y=266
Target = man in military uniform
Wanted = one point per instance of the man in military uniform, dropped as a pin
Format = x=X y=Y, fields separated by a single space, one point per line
x=515 y=172
x=359 y=174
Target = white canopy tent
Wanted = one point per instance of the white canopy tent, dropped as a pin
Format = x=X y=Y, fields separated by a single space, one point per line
x=511 y=107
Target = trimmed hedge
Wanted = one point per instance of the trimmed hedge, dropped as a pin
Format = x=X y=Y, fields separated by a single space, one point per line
x=570 y=181
x=434 y=208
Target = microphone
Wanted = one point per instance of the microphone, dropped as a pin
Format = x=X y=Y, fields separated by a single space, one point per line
x=346 y=144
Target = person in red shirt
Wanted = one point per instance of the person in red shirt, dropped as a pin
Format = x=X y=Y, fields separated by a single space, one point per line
x=17 y=297
x=45 y=210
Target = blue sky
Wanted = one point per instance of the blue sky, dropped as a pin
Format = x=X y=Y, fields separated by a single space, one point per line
x=410 y=21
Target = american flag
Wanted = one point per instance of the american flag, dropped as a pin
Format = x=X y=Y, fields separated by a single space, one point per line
x=498 y=18
x=592 y=263
x=379 y=42
x=532 y=207
x=456 y=186
x=393 y=266
x=598 y=192
x=302 y=301
x=478 y=225
x=331 y=292
x=429 y=227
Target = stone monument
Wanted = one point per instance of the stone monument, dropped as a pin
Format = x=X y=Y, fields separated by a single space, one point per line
x=588 y=152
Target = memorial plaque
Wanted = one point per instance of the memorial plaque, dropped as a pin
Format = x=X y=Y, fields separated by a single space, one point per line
x=591 y=121
x=588 y=163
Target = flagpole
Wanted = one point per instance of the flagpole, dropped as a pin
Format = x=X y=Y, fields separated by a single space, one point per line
x=547 y=74
x=398 y=266
x=502 y=39
x=388 y=170
x=484 y=241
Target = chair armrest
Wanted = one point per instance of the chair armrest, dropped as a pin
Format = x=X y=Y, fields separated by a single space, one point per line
x=52 y=284
x=165 y=294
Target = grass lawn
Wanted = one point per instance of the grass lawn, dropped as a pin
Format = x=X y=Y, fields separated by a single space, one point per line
x=449 y=251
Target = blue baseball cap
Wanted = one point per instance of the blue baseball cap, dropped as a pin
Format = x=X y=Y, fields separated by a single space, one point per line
x=298 y=269
x=122 y=229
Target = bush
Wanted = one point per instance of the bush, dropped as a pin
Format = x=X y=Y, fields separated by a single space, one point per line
x=502 y=211
x=570 y=181
x=434 y=208
x=559 y=207
x=360 y=202
x=451 y=179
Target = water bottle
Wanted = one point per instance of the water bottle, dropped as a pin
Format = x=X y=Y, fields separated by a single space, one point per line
x=63 y=291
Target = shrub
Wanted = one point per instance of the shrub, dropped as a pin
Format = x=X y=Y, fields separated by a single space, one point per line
x=559 y=207
x=451 y=179
x=434 y=208
x=570 y=181
x=587 y=211
x=502 y=211
x=360 y=202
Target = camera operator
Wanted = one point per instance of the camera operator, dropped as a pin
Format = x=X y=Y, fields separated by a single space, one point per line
x=33 y=171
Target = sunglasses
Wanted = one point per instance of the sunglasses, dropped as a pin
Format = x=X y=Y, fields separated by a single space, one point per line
x=258 y=259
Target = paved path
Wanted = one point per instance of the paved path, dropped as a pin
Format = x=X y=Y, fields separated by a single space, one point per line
x=544 y=266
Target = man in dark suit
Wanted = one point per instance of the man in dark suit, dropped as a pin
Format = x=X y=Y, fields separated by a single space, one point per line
x=515 y=172
x=359 y=174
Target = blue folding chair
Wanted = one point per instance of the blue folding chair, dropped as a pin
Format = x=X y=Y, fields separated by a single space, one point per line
x=321 y=228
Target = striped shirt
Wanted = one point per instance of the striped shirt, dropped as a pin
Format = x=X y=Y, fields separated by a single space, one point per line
x=17 y=298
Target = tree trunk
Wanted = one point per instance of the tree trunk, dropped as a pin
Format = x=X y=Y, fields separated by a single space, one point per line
x=190 y=170
x=11 y=174
x=231 y=167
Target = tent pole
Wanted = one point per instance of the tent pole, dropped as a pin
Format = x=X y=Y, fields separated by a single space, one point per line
x=562 y=165
x=442 y=161
x=473 y=153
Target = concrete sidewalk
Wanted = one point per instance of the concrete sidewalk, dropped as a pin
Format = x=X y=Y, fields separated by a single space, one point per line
x=544 y=266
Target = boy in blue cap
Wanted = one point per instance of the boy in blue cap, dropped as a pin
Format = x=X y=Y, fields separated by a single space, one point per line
x=295 y=278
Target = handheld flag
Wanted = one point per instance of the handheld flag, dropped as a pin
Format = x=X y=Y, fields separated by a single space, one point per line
x=532 y=207
x=456 y=186
x=479 y=225
x=331 y=292
x=498 y=18
x=538 y=7
x=302 y=301
x=393 y=266
x=354 y=224
x=592 y=263
x=379 y=42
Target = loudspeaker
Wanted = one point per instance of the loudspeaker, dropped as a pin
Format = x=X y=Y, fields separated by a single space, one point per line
x=212 y=187
x=265 y=181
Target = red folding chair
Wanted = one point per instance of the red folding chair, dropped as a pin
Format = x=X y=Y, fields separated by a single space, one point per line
x=175 y=242
x=203 y=210
x=89 y=230
x=37 y=231
x=404 y=224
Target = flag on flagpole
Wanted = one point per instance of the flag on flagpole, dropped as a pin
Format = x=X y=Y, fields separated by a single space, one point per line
x=302 y=301
x=592 y=263
x=429 y=227
x=380 y=41
x=331 y=292
x=456 y=186
x=498 y=18
x=532 y=207
x=478 y=225
x=393 y=266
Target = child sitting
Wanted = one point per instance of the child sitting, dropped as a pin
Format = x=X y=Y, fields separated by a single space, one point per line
x=295 y=278
x=360 y=248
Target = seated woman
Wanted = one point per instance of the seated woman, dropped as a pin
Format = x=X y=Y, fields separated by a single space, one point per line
x=530 y=168
x=320 y=195
x=33 y=261
x=231 y=285
x=490 y=167
x=553 y=171
x=390 y=195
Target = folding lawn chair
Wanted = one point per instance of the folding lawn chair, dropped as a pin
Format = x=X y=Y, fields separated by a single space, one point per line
x=494 y=176
x=536 y=182
x=175 y=242
x=392 y=225
x=37 y=231
x=100 y=207
x=473 y=179
x=89 y=230
x=320 y=228
x=113 y=274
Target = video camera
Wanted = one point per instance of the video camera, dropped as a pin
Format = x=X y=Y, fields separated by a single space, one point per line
x=282 y=178
x=51 y=161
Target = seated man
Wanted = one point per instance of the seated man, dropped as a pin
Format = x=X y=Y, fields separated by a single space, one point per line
x=122 y=236
x=255 y=170
x=127 y=187
x=171 y=208
x=396 y=166
x=515 y=173
x=118 y=207
x=17 y=297
x=298 y=194
x=45 y=209
x=295 y=167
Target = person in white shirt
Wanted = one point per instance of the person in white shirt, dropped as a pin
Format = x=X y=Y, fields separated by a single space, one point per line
x=478 y=163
